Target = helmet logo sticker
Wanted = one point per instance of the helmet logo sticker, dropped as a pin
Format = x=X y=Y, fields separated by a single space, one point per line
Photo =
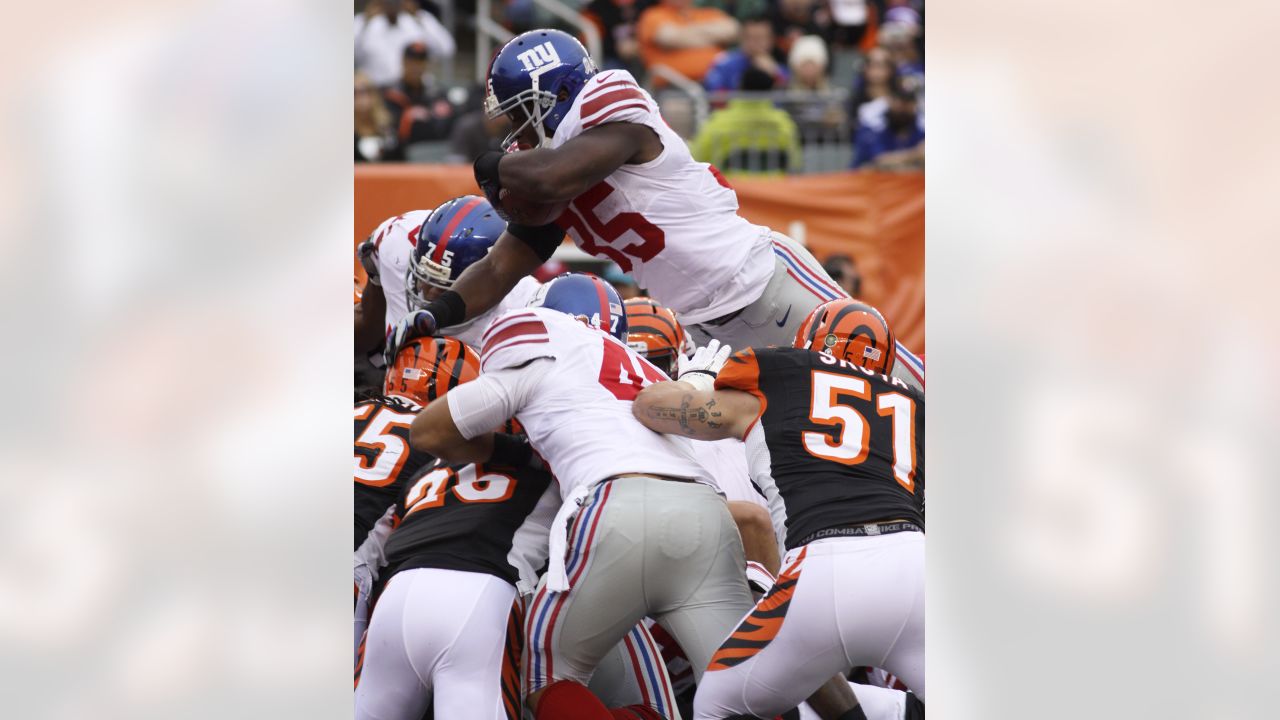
x=539 y=56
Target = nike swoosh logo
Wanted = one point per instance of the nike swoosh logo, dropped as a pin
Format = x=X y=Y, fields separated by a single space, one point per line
x=785 y=315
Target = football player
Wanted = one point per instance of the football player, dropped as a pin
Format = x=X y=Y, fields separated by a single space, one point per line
x=383 y=459
x=839 y=445
x=447 y=624
x=385 y=259
x=657 y=336
x=641 y=530
x=459 y=234
x=633 y=194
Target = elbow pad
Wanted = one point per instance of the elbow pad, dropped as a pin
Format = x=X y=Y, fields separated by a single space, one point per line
x=542 y=239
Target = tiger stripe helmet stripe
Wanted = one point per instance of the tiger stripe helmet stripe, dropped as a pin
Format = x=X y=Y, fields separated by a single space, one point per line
x=849 y=330
x=427 y=368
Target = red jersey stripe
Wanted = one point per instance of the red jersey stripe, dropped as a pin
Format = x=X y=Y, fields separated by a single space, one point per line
x=505 y=321
x=595 y=91
x=613 y=111
x=596 y=104
x=533 y=326
x=512 y=343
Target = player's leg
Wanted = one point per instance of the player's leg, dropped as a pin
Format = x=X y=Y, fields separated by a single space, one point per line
x=782 y=651
x=473 y=676
x=799 y=284
x=570 y=632
x=368 y=560
x=880 y=598
x=694 y=580
x=877 y=703
x=394 y=678
x=628 y=675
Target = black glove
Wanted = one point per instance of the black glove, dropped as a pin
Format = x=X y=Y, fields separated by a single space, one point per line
x=367 y=251
x=486 y=170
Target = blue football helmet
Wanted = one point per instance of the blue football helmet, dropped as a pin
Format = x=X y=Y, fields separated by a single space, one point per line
x=580 y=294
x=538 y=74
x=453 y=238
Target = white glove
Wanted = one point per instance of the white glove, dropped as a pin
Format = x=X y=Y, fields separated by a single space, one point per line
x=700 y=368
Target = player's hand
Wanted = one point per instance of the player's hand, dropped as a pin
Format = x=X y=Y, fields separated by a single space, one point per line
x=420 y=323
x=701 y=368
x=367 y=251
x=486 y=172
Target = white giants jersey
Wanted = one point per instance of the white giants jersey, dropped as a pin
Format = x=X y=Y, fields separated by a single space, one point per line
x=395 y=239
x=672 y=222
x=726 y=460
x=470 y=331
x=578 y=415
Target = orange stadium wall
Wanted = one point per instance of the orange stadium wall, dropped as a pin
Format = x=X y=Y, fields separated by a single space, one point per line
x=876 y=218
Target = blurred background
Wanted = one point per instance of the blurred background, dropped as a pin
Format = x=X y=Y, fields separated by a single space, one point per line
x=814 y=109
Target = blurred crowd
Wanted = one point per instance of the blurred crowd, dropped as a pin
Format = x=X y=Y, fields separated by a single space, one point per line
x=783 y=79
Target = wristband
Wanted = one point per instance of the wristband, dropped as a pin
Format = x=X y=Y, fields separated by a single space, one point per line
x=448 y=309
x=700 y=379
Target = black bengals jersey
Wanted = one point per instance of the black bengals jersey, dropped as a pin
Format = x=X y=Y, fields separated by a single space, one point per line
x=464 y=517
x=383 y=459
x=845 y=446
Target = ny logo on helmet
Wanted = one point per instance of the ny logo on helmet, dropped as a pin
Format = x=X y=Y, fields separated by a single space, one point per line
x=542 y=55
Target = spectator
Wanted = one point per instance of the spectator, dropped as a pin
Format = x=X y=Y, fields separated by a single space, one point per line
x=793 y=19
x=374 y=140
x=842 y=269
x=684 y=38
x=896 y=142
x=417 y=114
x=474 y=134
x=808 y=62
x=871 y=89
x=386 y=27
x=616 y=20
x=750 y=134
x=754 y=50
x=743 y=10
x=900 y=40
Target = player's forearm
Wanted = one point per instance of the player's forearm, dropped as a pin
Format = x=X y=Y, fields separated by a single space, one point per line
x=546 y=175
x=483 y=285
x=759 y=542
x=433 y=431
x=678 y=408
x=562 y=174
x=370 y=314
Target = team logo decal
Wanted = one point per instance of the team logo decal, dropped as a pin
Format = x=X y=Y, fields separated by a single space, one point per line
x=543 y=56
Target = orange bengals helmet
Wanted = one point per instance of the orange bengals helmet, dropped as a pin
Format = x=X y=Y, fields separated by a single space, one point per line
x=426 y=368
x=654 y=333
x=849 y=330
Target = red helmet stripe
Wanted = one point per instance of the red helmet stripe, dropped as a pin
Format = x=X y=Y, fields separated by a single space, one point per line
x=606 y=322
x=438 y=255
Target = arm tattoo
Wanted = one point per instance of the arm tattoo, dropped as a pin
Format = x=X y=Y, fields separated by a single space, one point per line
x=693 y=420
